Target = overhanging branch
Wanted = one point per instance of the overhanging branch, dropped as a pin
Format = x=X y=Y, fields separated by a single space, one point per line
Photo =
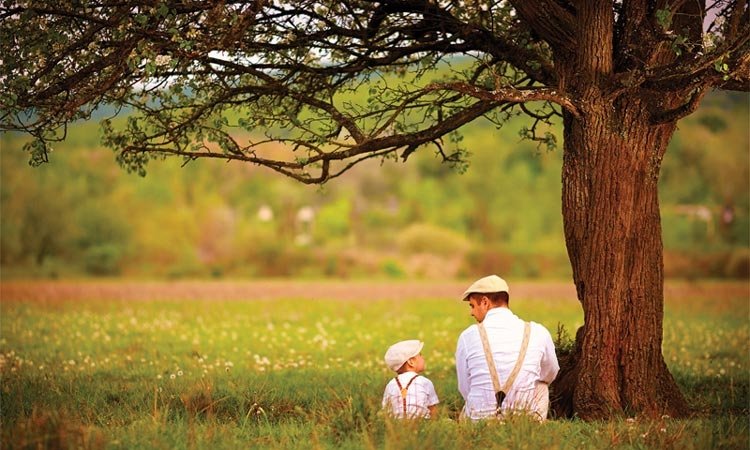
x=693 y=71
x=320 y=158
x=510 y=94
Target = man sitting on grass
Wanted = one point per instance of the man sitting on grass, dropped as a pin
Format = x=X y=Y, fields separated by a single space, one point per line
x=503 y=364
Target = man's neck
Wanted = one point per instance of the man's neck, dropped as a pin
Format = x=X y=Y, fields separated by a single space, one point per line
x=497 y=310
x=499 y=307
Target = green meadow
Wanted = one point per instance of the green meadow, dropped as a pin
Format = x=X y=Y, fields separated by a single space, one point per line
x=294 y=373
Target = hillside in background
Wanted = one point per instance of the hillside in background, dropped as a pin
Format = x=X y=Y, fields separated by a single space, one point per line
x=81 y=214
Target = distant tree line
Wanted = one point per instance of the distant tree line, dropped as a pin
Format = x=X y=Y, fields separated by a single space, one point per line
x=82 y=215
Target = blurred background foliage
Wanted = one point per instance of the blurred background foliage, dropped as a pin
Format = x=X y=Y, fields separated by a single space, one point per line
x=82 y=215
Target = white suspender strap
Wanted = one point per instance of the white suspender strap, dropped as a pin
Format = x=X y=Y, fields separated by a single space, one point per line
x=491 y=361
x=521 y=357
x=489 y=358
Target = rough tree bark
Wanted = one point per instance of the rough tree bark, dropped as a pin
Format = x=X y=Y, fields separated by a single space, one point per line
x=612 y=156
x=613 y=235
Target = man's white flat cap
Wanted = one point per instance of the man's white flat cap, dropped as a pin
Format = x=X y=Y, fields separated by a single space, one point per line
x=486 y=285
x=400 y=352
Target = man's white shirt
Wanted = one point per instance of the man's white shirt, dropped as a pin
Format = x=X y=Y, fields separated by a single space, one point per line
x=505 y=333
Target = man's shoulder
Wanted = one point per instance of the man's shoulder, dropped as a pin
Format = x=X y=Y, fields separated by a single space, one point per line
x=470 y=330
x=541 y=330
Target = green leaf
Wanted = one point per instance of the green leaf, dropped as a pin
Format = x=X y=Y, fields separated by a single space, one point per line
x=664 y=18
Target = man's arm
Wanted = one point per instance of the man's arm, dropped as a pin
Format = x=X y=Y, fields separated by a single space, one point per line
x=462 y=368
x=549 y=364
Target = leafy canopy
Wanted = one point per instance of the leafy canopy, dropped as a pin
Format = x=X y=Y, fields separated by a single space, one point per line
x=226 y=79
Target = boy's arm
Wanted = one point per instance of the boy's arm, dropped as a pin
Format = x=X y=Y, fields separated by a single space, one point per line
x=385 y=402
x=433 y=411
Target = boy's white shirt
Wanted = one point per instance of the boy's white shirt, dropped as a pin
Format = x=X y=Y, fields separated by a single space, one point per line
x=420 y=395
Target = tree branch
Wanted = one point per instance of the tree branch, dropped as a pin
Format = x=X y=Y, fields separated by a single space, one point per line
x=297 y=169
x=510 y=94
x=691 y=71
x=683 y=110
x=553 y=23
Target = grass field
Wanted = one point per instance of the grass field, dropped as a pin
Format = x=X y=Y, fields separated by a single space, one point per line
x=295 y=373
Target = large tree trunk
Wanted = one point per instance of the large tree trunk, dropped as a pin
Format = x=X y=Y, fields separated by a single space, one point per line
x=613 y=235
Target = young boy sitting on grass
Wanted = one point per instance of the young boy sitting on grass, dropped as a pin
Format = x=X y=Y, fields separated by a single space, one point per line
x=409 y=394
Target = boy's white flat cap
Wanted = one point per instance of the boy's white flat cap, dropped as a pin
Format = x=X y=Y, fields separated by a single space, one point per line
x=486 y=285
x=400 y=352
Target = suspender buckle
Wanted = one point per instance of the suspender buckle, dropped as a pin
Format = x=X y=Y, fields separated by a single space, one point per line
x=499 y=397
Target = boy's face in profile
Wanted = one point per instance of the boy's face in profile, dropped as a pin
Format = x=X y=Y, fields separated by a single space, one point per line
x=417 y=363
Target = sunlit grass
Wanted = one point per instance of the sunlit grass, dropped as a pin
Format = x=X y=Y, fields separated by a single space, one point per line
x=309 y=374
